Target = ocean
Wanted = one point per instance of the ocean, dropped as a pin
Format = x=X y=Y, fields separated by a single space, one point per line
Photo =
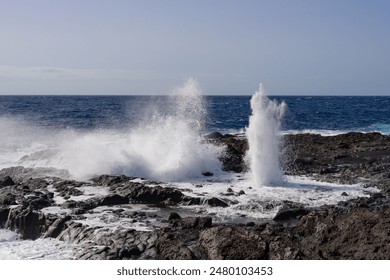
x=319 y=114
x=160 y=138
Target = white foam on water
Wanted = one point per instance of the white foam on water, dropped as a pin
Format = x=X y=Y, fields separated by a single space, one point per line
x=103 y=217
x=322 y=132
x=12 y=248
x=264 y=202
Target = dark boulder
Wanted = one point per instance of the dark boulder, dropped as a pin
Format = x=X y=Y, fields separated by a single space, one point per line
x=68 y=188
x=292 y=213
x=114 y=199
x=196 y=222
x=37 y=200
x=216 y=202
x=154 y=195
x=7 y=198
x=7 y=181
x=235 y=149
x=29 y=223
x=110 y=180
x=81 y=206
x=290 y=210
x=192 y=223
x=35 y=183
x=57 y=227
x=130 y=252
x=174 y=216
x=171 y=246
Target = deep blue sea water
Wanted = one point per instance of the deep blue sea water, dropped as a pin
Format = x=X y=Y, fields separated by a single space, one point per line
x=224 y=113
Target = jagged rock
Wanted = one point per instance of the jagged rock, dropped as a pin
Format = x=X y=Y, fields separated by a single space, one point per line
x=289 y=211
x=149 y=254
x=29 y=223
x=339 y=234
x=196 y=222
x=192 y=200
x=171 y=247
x=37 y=200
x=68 y=188
x=7 y=181
x=174 y=216
x=216 y=202
x=192 y=223
x=128 y=252
x=81 y=206
x=35 y=183
x=344 y=157
x=110 y=180
x=235 y=150
x=287 y=214
x=57 y=227
x=154 y=195
x=7 y=198
x=114 y=199
x=231 y=243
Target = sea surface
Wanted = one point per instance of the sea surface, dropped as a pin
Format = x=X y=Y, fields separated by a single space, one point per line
x=322 y=114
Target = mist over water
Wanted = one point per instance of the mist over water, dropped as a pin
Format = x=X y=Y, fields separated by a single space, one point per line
x=264 y=139
x=169 y=146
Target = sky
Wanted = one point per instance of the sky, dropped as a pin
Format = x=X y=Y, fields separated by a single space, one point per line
x=292 y=47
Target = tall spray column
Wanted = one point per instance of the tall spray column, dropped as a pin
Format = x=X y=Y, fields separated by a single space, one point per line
x=264 y=139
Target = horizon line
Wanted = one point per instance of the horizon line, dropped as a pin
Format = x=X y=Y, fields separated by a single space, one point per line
x=233 y=95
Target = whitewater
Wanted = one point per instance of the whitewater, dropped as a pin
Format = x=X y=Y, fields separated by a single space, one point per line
x=166 y=145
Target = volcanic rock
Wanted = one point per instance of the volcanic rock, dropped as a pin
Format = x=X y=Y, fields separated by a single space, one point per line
x=232 y=243
x=290 y=210
x=7 y=181
x=154 y=195
x=114 y=199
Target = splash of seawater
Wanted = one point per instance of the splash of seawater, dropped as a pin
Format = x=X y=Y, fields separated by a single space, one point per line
x=166 y=146
x=264 y=139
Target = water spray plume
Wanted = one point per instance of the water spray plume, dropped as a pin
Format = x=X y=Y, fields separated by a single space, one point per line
x=263 y=136
x=166 y=146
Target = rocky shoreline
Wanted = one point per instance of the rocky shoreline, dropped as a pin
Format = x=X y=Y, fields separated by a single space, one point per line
x=48 y=206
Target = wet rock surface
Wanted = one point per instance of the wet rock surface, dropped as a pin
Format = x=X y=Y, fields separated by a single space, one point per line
x=42 y=206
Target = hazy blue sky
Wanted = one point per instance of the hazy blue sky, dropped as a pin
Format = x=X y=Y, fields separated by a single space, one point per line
x=146 y=47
